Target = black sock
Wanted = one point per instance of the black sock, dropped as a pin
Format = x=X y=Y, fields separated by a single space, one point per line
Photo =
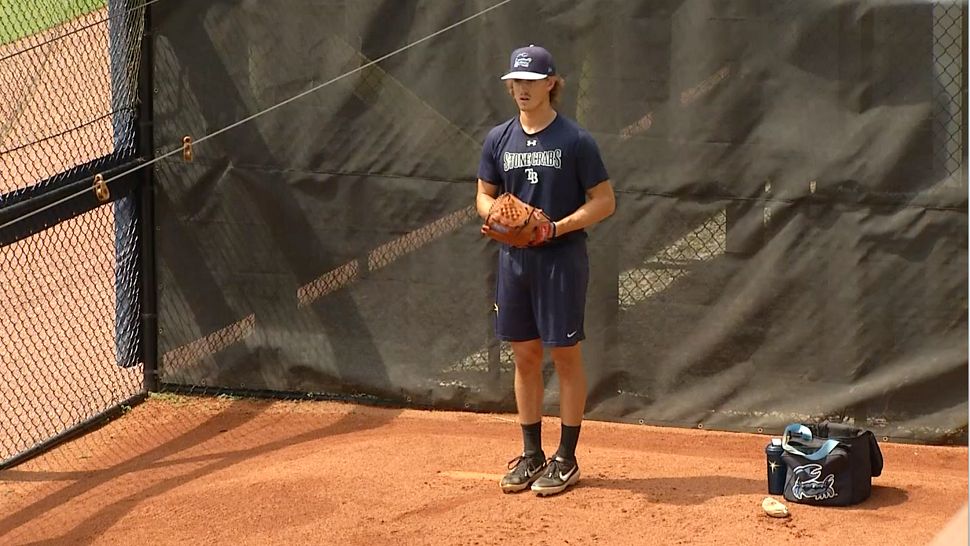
x=532 y=438
x=567 y=442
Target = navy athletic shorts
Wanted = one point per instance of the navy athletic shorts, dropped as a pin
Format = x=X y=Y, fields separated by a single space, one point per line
x=541 y=293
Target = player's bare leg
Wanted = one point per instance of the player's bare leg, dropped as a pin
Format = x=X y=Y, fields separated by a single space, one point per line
x=526 y=468
x=572 y=384
x=528 y=380
x=563 y=470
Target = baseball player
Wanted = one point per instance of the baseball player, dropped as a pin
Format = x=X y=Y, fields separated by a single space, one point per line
x=549 y=162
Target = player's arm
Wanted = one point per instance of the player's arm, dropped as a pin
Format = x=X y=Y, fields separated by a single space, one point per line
x=600 y=204
x=487 y=192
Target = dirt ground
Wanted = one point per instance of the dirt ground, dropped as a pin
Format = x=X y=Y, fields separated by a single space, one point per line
x=178 y=470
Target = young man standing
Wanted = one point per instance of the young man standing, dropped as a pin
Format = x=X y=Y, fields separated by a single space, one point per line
x=551 y=163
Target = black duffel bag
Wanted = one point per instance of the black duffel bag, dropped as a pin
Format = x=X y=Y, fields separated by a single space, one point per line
x=829 y=464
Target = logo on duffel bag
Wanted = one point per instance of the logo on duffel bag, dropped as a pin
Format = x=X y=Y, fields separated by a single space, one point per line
x=808 y=485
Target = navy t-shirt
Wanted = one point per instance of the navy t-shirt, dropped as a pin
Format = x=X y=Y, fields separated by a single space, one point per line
x=551 y=169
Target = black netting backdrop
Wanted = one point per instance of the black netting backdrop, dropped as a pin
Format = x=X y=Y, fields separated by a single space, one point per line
x=790 y=240
x=69 y=293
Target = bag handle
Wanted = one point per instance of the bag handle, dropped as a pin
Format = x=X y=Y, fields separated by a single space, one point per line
x=805 y=434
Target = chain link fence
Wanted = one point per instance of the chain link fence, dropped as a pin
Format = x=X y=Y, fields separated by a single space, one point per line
x=950 y=91
x=66 y=88
x=69 y=288
x=57 y=330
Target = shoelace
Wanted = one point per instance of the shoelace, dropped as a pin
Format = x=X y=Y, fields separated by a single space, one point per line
x=552 y=467
x=515 y=462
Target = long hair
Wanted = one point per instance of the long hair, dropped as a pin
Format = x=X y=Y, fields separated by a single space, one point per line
x=555 y=94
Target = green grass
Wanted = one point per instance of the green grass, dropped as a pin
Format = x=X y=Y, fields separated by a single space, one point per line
x=169 y=398
x=20 y=18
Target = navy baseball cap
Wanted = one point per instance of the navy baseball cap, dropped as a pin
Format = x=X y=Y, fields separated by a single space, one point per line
x=530 y=63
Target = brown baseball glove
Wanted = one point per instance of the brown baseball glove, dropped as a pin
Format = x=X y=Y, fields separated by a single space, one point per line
x=514 y=222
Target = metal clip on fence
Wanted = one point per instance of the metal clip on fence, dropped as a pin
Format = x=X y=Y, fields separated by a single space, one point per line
x=187 y=148
x=101 y=189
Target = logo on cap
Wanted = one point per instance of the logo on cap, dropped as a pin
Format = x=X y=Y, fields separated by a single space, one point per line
x=530 y=63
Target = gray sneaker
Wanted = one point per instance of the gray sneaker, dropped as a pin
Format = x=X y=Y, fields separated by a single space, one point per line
x=560 y=473
x=523 y=470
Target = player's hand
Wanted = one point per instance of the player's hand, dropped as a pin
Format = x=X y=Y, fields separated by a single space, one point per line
x=543 y=233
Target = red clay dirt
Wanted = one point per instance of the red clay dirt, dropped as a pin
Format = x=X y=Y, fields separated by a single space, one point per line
x=178 y=470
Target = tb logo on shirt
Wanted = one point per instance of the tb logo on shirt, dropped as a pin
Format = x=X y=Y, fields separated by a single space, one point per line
x=532 y=176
